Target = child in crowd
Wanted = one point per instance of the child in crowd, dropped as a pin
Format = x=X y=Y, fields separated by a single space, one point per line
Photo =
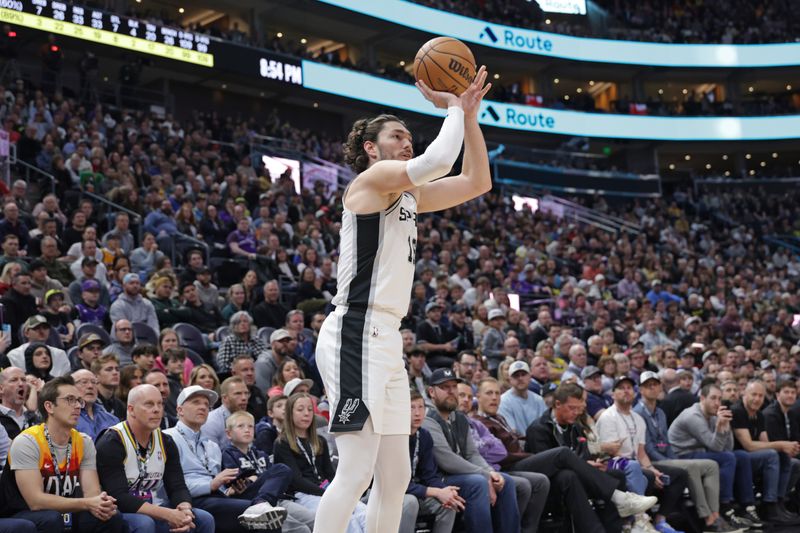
x=58 y=315
x=269 y=427
x=300 y=448
x=144 y=356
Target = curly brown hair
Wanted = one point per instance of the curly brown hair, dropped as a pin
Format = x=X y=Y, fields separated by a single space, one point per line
x=365 y=129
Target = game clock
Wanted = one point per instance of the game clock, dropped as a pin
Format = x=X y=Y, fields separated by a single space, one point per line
x=101 y=27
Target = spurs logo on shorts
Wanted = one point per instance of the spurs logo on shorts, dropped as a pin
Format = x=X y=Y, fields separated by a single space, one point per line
x=349 y=408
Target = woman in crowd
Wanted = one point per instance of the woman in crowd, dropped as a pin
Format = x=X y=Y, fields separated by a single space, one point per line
x=10 y=270
x=38 y=361
x=287 y=371
x=119 y=269
x=301 y=449
x=236 y=301
x=168 y=339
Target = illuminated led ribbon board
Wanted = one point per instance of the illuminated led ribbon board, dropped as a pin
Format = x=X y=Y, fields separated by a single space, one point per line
x=521 y=40
x=392 y=94
x=91 y=26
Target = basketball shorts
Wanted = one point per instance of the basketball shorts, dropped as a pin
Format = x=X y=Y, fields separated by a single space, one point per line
x=360 y=358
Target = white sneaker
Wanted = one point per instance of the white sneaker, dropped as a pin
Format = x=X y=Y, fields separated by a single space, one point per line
x=262 y=516
x=632 y=504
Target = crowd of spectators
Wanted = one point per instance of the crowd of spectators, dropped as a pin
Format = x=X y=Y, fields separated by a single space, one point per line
x=545 y=333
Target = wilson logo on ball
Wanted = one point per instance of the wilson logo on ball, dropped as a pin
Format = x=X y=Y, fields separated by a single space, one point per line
x=465 y=71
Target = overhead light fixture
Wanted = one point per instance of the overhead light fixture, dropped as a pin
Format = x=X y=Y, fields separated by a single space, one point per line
x=181 y=10
x=303 y=40
x=496 y=76
x=661 y=91
x=672 y=166
x=788 y=87
x=591 y=83
x=774 y=155
x=566 y=97
x=752 y=172
x=727 y=172
x=579 y=91
x=402 y=63
x=687 y=157
x=279 y=35
x=547 y=21
x=685 y=91
x=708 y=166
x=556 y=80
x=750 y=89
x=763 y=163
x=748 y=156
x=725 y=157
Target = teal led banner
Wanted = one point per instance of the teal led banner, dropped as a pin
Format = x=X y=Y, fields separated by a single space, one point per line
x=359 y=86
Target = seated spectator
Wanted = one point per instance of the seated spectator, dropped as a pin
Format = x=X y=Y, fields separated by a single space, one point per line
x=15 y=417
x=37 y=329
x=225 y=493
x=121 y=230
x=244 y=367
x=33 y=488
x=783 y=424
x=703 y=474
x=173 y=359
x=94 y=417
x=241 y=241
x=194 y=312
x=768 y=465
x=300 y=448
x=129 y=377
x=18 y=305
x=268 y=363
x=207 y=291
x=271 y=312
x=235 y=395
x=577 y=362
x=56 y=269
x=144 y=356
x=241 y=341
x=704 y=431
x=235 y=301
x=459 y=460
x=416 y=377
x=7 y=278
x=131 y=306
x=118 y=456
x=41 y=283
x=38 y=361
x=119 y=270
x=540 y=375
x=160 y=223
x=168 y=310
x=435 y=339
x=123 y=342
x=205 y=376
x=426 y=493
x=90 y=347
x=143 y=259
x=519 y=406
x=11 y=253
x=13 y=224
x=106 y=369
x=58 y=314
x=269 y=427
x=158 y=379
x=87 y=265
x=597 y=401
x=620 y=424
x=677 y=398
x=168 y=339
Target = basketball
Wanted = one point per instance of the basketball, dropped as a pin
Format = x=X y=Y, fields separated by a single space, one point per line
x=445 y=64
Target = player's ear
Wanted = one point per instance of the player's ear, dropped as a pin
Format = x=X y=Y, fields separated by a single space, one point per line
x=371 y=149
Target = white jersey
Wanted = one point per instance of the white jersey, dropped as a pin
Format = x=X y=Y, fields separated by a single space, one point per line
x=377 y=255
x=145 y=474
x=359 y=350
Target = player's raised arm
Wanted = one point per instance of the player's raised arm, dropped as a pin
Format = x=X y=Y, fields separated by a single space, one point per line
x=475 y=178
x=381 y=151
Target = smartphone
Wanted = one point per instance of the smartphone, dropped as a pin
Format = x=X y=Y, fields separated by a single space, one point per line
x=727 y=404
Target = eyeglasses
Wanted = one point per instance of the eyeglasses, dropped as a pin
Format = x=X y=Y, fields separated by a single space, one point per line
x=124 y=329
x=86 y=381
x=72 y=401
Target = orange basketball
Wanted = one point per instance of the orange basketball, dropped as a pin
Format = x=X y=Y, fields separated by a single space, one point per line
x=445 y=64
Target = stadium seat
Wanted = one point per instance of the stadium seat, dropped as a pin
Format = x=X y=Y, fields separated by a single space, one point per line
x=222 y=332
x=144 y=333
x=83 y=329
x=192 y=338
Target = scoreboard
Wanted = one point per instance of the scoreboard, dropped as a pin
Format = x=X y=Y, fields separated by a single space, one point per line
x=110 y=29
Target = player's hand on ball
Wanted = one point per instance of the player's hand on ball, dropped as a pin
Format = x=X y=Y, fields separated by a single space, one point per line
x=471 y=98
x=439 y=99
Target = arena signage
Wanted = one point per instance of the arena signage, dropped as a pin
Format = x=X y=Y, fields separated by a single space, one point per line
x=110 y=29
x=554 y=45
x=387 y=93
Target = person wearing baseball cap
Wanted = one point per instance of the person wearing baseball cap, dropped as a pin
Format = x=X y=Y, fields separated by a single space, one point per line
x=494 y=339
x=458 y=459
x=37 y=329
x=619 y=425
x=132 y=306
x=596 y=400
x=702 y=474
x=518 y=405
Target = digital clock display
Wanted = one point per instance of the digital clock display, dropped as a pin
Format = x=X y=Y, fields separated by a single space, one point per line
x=110 y=29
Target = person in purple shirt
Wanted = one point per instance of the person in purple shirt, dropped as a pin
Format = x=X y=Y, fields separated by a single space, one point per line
x=242 y=241
x=426 y=492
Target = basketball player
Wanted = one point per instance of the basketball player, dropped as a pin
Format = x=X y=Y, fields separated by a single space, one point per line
x=359 y=351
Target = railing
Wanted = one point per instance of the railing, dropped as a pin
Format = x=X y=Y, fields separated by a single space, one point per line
x=28 y=169
x=790 y=242
x=136 y=218
x=594 y=216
